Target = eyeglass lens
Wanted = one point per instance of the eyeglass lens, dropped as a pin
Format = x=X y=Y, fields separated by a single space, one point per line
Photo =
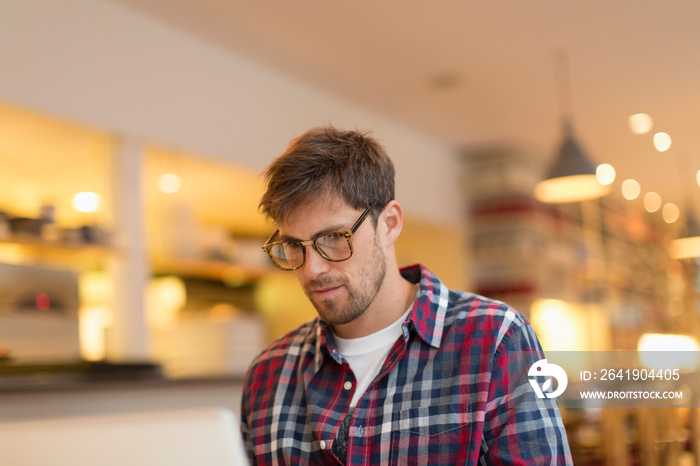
x=291 y=254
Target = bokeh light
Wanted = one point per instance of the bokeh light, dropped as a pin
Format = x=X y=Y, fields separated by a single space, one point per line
x=662 y=141
x=671 y=212
x=652 y=201
x=169 y=183
x=86 y=201
x=631 y=189
x=640 y=123
x=605 y=173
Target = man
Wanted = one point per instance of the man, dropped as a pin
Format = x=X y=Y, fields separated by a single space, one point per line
x=397 y=368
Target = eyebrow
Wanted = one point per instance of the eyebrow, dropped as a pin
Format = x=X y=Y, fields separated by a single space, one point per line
x=333 y=229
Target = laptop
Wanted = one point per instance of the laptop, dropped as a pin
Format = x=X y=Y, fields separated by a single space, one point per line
x=209 y=436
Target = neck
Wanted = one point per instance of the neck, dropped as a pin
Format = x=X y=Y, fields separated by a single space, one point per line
x=395 y=296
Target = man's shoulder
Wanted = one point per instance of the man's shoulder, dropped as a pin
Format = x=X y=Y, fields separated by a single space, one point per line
x=467 y=306
x=488 y=323
x=443 y=310
x=458 y=304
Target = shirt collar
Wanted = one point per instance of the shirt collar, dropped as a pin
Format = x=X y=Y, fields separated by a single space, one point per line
x=430 y=307
x=427 y=315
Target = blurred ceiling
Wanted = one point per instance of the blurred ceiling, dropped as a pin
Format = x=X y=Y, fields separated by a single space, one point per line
x=472 y=72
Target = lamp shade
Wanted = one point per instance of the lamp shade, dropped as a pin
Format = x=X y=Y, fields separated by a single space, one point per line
x=653 y=351
x=688 y=246
x=572 y=176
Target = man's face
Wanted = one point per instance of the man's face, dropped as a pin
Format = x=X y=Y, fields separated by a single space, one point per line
x=340 y=291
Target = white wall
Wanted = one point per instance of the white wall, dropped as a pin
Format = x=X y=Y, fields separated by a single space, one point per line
x=102 y=64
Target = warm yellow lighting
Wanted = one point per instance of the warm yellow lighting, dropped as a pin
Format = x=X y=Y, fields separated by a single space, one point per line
x=571 y=177
x=652 y=201
x=169 y=183
x=563 y=326
x=282 y=303
x=631 y=189
x=234 y=276
x=557 y=324
x=662 y=141
x=605 y=173
x=93 y=322
x=95 y=288
x=27 y=196
x=640 y=123
x=685 y=248
x=86 y=202
x=165 y=297
x=12 y=253
x=697 y=177
x=223 y=313
x=651 y=347
x=671 y=212
x=96 y=292
x=570 y=189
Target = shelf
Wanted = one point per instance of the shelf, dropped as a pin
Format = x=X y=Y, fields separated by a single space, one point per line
x=210 y=270
x=62 y=254
x=54 y=246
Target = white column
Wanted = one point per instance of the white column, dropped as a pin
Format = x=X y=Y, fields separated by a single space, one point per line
x=127 y=337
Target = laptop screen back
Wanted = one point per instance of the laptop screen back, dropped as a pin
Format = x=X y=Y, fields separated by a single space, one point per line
x=208 y=436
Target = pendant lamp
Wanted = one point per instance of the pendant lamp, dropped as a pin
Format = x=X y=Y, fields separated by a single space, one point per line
x=572 y=176
x=688 y=246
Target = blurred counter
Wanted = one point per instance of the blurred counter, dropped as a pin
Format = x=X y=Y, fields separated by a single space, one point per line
x=34 y=376
x=85 y=388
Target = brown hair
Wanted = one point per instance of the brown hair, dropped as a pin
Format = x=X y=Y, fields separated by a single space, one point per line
x=326 y=160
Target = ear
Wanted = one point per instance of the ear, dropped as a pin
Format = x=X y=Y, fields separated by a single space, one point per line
x=392 y=219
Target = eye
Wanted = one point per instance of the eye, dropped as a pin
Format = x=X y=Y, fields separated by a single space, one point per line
x=291 y=247
x=331 y=240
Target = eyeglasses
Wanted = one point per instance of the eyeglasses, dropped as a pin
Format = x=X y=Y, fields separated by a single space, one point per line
x=333 y=246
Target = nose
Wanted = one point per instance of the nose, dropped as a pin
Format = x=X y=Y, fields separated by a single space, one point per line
x=315 y=265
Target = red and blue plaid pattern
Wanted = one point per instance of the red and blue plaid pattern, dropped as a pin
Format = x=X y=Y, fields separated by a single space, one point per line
x=452 y=391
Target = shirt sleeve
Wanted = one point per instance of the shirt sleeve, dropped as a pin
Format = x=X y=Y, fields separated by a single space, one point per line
x=519 y=427
x=245 y=427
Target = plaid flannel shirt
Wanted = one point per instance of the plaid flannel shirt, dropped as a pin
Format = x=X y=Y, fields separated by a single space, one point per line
x=453 y=390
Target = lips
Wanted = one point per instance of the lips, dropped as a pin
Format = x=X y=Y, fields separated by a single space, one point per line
x=322 y=288
x=325 y=292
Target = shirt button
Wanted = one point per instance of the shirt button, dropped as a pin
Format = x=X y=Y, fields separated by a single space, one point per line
x=322 y=443
x=347 y=385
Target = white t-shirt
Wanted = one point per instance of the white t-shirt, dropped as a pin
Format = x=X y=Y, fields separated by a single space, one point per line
x=366 y=355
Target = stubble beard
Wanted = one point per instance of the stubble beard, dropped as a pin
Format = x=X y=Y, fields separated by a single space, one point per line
x=358 y=297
